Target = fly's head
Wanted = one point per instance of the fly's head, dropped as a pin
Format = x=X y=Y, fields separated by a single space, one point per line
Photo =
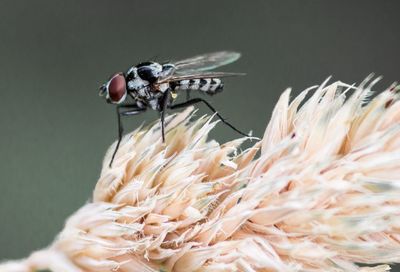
x=115 y=89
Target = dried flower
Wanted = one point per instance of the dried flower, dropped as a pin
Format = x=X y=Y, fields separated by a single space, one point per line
x=319 y=192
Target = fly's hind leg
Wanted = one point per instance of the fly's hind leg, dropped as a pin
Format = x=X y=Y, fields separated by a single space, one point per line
x=198 y=100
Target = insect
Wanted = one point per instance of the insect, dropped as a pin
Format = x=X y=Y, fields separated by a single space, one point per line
x=156 y=86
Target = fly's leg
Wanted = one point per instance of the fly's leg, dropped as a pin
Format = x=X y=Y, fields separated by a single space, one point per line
x=163 y=107
x=120 y=131
x=198 y=100
x=133 y=111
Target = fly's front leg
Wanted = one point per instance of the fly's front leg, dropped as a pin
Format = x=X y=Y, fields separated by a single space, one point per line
x=120 y=131
x=133 y=110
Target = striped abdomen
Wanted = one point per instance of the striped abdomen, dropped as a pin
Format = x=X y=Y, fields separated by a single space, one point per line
x=207 y=85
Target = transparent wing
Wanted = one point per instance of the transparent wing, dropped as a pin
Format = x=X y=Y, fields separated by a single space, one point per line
x=197 y=75
x=206 y=62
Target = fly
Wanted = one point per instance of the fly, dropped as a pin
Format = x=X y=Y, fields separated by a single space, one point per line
x=156 y=86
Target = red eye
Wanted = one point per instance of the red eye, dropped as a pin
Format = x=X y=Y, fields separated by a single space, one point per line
x=117 y=88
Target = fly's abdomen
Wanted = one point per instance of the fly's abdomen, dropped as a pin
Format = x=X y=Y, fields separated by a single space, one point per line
x=208 y=85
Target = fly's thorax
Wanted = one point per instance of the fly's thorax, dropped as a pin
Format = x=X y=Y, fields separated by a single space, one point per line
x=146 y=95
x=140 y=81
x=149 y=71
x=137 y=84
x=134 y=82
x=208 y=85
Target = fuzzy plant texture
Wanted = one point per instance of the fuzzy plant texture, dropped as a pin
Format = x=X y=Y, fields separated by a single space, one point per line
x=319 y=192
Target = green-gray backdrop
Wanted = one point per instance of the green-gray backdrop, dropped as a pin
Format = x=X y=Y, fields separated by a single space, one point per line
x=54 y=55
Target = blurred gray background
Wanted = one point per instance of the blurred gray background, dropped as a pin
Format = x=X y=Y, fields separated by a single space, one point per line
x=55 y=54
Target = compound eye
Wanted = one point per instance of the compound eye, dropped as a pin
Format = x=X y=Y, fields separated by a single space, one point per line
x=117 y=88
